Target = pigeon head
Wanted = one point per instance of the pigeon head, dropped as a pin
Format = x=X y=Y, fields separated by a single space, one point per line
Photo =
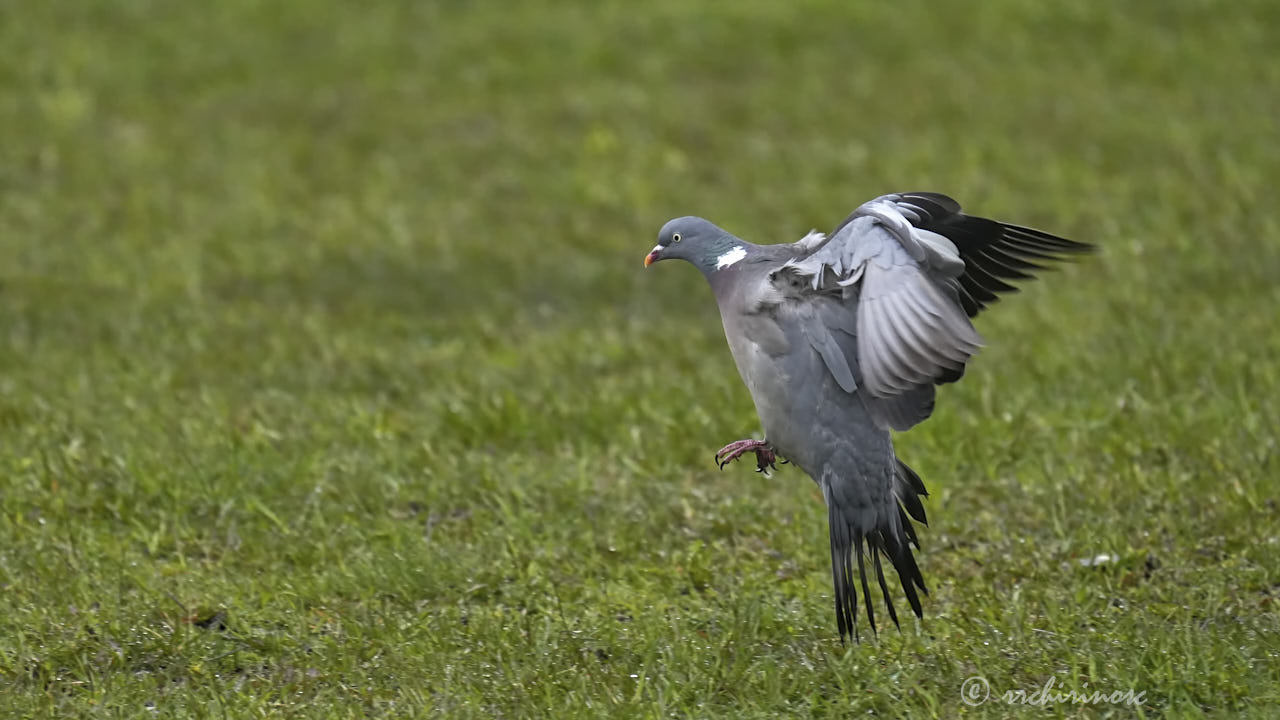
x=698 y=241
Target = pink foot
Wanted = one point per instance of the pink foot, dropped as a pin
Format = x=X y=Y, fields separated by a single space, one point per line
x=765 y=456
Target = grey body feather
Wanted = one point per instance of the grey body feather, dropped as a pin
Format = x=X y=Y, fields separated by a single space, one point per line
x=842 y=338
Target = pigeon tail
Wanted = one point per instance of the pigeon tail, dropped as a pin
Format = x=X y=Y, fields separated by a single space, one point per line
x=892 y=537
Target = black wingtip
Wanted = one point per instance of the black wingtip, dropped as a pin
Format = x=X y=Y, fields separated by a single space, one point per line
x=1044 y=240
x=993 y=252
x=942 y=204
x=1012 y=253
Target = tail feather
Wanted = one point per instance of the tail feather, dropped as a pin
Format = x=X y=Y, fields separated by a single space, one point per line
x=891 y=539
x=907 y=529
x=862 y=575
x=908 y=477
x=884 y=587
x=842 y=575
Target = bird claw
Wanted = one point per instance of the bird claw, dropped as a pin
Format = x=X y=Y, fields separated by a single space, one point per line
x=765 y=456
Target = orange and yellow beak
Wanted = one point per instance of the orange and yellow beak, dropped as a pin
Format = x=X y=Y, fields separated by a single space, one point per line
x=654 y=256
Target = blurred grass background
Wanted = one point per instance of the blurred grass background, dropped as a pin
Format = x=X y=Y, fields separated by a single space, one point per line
x=331 y=384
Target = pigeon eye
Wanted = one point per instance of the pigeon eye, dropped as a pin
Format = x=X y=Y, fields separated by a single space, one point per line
x=675 y=237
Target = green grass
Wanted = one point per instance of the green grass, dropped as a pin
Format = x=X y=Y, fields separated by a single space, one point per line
x=331 y=384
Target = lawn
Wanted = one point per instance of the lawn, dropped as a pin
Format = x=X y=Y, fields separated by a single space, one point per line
x=331 y=383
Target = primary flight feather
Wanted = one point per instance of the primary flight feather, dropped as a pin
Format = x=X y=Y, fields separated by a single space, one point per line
x=841 y=338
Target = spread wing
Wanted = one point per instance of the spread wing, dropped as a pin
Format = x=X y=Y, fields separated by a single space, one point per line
x=994 y=253
x=911 y=269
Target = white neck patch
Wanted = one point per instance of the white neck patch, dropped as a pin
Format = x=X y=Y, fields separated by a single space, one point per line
x=730 y=257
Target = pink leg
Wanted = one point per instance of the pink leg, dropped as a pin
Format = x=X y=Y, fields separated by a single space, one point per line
x=765 y=456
